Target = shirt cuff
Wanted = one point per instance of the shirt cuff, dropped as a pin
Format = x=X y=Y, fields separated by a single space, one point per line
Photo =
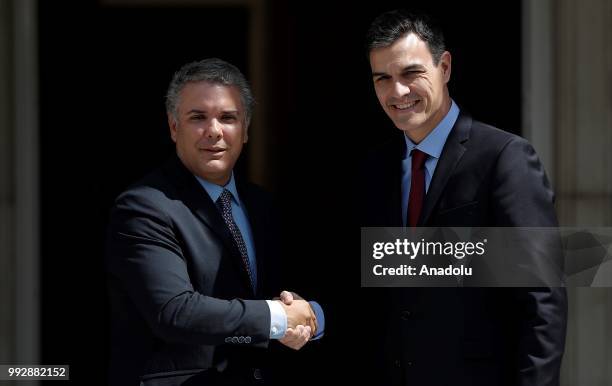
x=318 y=311
x=278 y=320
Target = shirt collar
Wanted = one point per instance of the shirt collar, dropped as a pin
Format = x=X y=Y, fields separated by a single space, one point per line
x=214 y=190
x=434 y=142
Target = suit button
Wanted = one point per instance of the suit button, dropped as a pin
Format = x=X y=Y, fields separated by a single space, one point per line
x=257 y=374
x=405 y=315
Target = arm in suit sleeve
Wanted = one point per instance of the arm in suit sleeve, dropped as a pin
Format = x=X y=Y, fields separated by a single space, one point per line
x=523 y=197
x=145 y=260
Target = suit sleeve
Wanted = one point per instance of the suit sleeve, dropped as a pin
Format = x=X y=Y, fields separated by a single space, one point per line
x=523 y=198
x=145 y=261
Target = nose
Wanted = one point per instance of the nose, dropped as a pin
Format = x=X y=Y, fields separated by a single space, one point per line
x=215 y=130
x=400 y=89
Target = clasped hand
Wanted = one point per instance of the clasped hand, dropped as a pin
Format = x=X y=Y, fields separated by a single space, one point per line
x=301 y=320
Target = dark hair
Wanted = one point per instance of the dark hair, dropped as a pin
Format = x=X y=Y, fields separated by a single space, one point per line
x=211 y=70
x=392 y=25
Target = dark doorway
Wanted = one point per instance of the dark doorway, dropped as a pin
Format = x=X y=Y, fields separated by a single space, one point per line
x=104 y=72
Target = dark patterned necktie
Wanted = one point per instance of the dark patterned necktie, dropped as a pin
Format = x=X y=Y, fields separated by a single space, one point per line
x=224 y=203
x=417 y=187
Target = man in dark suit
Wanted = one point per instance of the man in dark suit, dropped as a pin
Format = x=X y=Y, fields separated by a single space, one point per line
x=192 y=250
x=447 y=169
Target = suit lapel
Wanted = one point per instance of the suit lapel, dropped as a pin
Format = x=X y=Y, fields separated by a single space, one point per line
x=451 y=154
x=199 y=202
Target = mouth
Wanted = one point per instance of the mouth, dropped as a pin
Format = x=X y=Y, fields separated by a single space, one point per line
x=405 y=106
x=214 y=152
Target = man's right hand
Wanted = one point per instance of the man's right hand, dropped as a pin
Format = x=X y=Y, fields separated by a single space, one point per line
x=298 y=313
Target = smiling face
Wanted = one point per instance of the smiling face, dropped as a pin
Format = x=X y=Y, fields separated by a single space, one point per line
x=410 y=88
x=209 y=129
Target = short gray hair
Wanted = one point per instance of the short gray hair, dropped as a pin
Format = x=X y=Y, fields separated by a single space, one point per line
x=212 y=70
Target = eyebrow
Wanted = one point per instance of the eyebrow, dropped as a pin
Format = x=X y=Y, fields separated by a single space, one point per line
x=198 y=111
x=410 y=67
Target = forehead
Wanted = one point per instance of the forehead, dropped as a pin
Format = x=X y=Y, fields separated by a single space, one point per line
x=407 y=50
x=209 y=95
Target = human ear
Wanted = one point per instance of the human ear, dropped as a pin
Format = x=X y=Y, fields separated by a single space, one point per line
x=445 y=65
x=173 y=126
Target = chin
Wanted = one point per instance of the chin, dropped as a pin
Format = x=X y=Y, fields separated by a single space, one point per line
x=407 y=127
x=214 y=164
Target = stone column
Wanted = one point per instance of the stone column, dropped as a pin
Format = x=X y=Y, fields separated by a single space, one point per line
x=19 y=190
x=567 y=84
x=26 y=181
x=7 y=191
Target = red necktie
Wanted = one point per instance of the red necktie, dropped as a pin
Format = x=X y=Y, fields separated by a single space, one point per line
x=417 y=187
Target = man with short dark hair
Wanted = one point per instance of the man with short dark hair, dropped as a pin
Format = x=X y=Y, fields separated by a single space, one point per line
x=192 y=251
x=448 y=169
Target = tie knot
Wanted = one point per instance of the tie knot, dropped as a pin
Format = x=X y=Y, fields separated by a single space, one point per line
x=225 y=199
x=418 y=159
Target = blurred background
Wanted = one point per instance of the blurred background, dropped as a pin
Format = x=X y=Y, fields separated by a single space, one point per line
x=82 y=116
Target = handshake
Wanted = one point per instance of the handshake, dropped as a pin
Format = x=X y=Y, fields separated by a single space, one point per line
x=301 y=320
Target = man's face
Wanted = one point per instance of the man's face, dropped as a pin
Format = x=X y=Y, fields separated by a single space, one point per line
x=410 y=88
x=209 y=129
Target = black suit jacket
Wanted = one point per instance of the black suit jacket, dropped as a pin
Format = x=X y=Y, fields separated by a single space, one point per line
x=181 y=301
x=466 y=336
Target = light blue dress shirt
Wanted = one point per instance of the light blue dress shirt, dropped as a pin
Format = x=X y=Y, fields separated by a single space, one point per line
x=432 y=145
x=278 y=317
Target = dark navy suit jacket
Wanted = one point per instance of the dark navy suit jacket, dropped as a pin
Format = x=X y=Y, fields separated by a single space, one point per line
x=465 y=336
x=180 y=296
